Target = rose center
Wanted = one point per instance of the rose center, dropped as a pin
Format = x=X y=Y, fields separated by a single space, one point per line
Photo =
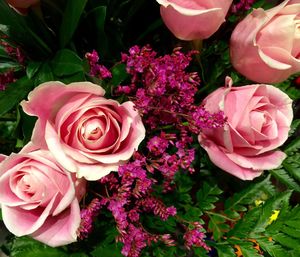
x=93 y=129
x=25 y=185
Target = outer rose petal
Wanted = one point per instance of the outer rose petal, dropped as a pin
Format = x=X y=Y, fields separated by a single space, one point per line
x=185 y=18
x=219 y=158
x=58 y=231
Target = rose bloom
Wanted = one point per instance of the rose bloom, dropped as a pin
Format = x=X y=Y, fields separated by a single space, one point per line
x=265 y=46
x=193 y=19
x=86 y=133
x=259 y=118
x=38 y=198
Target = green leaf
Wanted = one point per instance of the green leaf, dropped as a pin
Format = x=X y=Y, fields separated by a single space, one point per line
x=207 y=196
x=248 y=250
x=112 y=250
x=244 y=226
x=33 y=68
x=44 y=74
x=287 y=241
x=66 y=63
x=275 y=203
x=271 y=248
x=119 y=74
x=16 y=92
x=4 y=66
x=96 y=18
x=27 y=247
x=293 y=146
x=246 y=197
x=217 y=226
x=16 y=27
x=294 y=126
x=71 y=17
x=225 y=251
x=283 y=176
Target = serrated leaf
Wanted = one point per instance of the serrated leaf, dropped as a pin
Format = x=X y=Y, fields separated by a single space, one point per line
x=271 y=248
x=225 y=251
x=272 y=204
x=245 y=197
x=248 y=250
x=217 y=226
x=287 y=241
x=207 y=196
x=291 y=231
x=294 y=126
x=244 y=226
x=283 y=176
x=293 y=146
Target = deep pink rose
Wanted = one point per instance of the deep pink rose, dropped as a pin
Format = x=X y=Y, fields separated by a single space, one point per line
x=193 y=19
x=38 y=198
x=265 y=46
x=22 y=3
x=86 y=133
x=259 y=118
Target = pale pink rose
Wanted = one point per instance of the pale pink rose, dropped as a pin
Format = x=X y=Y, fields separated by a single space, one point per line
x=39 y=198
x=193 y=19
x=259 y=119
x=22 y=3
x=86 y=133
x=265 y=46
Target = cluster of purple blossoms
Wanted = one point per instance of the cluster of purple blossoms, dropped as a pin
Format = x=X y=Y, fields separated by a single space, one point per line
x=242 y=5
x=97 y=70
x=164 y=94
x=7 y=77
x=128 y=194
x=88 y=215
x=195 y=236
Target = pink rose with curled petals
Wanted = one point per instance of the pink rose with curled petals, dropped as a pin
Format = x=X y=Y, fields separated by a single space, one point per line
x=86 y=133
x=265 y=46
x=39 y=198
x=259 y=118
x=193 y=19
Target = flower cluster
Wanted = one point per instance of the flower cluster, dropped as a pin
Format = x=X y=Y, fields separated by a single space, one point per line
x=145 y=160
x=164 y=92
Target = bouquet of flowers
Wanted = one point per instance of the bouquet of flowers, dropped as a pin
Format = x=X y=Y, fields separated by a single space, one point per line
x=150 y=128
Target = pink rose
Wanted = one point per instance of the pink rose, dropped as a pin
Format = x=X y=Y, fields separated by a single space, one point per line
x=193 y=19
x=86 y=133
x=22 y=3
x=259 y=118
x=265 y=46
x=38 y=198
